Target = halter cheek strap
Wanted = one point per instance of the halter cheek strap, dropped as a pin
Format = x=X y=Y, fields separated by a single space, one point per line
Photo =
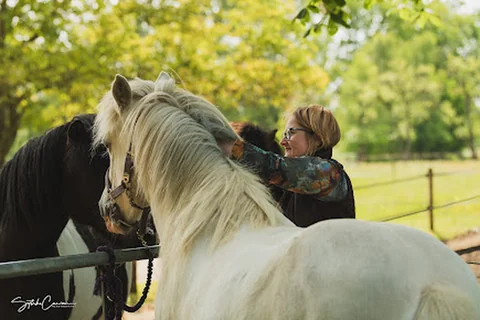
x=123 y=187
x=117 y=191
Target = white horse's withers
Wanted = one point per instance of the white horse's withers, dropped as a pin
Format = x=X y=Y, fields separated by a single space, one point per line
x=229 y=253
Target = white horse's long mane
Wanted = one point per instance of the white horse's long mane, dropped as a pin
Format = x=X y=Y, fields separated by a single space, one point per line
x=180 y=167
x=174 y=139
x=191 y=185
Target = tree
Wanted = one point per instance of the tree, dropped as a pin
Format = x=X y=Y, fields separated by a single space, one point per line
x=464 y=79
x=243 y=56
x=402 y=86
x=387 y=93
x=32 y=47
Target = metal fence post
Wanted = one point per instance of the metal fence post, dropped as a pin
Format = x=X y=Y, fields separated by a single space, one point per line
x=430 y=194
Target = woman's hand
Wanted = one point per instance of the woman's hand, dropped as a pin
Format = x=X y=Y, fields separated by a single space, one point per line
x=226 y=147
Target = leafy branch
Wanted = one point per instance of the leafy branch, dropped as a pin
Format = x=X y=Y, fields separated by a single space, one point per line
x=332 y=14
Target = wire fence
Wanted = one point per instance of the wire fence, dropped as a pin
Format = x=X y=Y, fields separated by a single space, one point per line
x=430 y=207
x=384 y=183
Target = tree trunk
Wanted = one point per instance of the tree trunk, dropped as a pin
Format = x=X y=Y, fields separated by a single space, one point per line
x=361 y=153
x=9 y=124
x=407 y=152
x=9 y=117
x=469 y=122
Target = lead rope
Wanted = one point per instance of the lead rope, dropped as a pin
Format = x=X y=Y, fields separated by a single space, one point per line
x=113 y=285
x=149 y=277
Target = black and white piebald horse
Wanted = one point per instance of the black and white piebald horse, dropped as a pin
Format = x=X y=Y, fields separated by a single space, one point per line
x=49 y=194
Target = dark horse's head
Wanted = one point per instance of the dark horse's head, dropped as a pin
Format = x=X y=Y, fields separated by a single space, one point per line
x=83 y=172
x=50 y=179
x=84 y=181
x=262 y=139
x=257 y=136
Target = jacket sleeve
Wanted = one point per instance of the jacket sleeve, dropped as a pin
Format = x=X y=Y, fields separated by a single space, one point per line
x=321 y=178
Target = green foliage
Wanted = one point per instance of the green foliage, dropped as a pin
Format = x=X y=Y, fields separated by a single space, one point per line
x=334 y=13
x=410 y=90
x=34 y=49
x=401 y=88
x=243 y=56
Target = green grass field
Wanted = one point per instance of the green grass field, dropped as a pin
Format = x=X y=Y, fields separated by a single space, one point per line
x=453 y=181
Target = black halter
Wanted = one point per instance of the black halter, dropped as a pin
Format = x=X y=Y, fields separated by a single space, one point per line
x=109 y=279
x=124 y=187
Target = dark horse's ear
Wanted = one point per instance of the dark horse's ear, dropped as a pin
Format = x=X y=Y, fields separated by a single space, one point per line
x=122 y=93
x=78 y=132
x=272 y=134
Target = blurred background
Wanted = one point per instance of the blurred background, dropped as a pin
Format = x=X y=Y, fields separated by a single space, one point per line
x=401 y=76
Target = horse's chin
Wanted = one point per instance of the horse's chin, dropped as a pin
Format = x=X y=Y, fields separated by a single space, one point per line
x=113 y=227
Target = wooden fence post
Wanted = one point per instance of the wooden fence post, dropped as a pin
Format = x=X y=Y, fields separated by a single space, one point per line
x=430 y=192
x=133 y=285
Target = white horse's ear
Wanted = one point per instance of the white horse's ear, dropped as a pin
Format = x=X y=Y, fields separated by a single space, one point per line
x=122 y=93
x=161 y=79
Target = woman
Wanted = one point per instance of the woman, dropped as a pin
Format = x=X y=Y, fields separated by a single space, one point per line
x=315 y=187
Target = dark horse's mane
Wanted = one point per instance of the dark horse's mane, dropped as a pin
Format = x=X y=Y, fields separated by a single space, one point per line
x=26 y=185
x=31 y=182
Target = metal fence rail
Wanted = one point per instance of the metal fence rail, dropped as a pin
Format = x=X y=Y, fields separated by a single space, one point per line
x=30 y=267
x=22 y=268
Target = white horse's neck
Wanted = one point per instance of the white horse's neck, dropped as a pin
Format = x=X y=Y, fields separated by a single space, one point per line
x=205 y=224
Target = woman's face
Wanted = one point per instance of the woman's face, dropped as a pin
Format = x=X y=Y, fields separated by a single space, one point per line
x=294 y=139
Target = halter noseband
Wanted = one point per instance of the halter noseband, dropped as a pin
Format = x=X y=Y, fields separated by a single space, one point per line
x=124 y=187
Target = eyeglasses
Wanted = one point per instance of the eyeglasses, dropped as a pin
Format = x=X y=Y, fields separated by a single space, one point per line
x=287 y=134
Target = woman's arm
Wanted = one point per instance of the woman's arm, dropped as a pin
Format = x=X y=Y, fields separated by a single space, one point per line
x=324 y=179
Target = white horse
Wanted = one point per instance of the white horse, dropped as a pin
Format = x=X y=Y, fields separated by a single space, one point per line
x=227 y=250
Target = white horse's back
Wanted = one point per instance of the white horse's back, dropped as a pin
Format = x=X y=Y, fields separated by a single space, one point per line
x=335 y=270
